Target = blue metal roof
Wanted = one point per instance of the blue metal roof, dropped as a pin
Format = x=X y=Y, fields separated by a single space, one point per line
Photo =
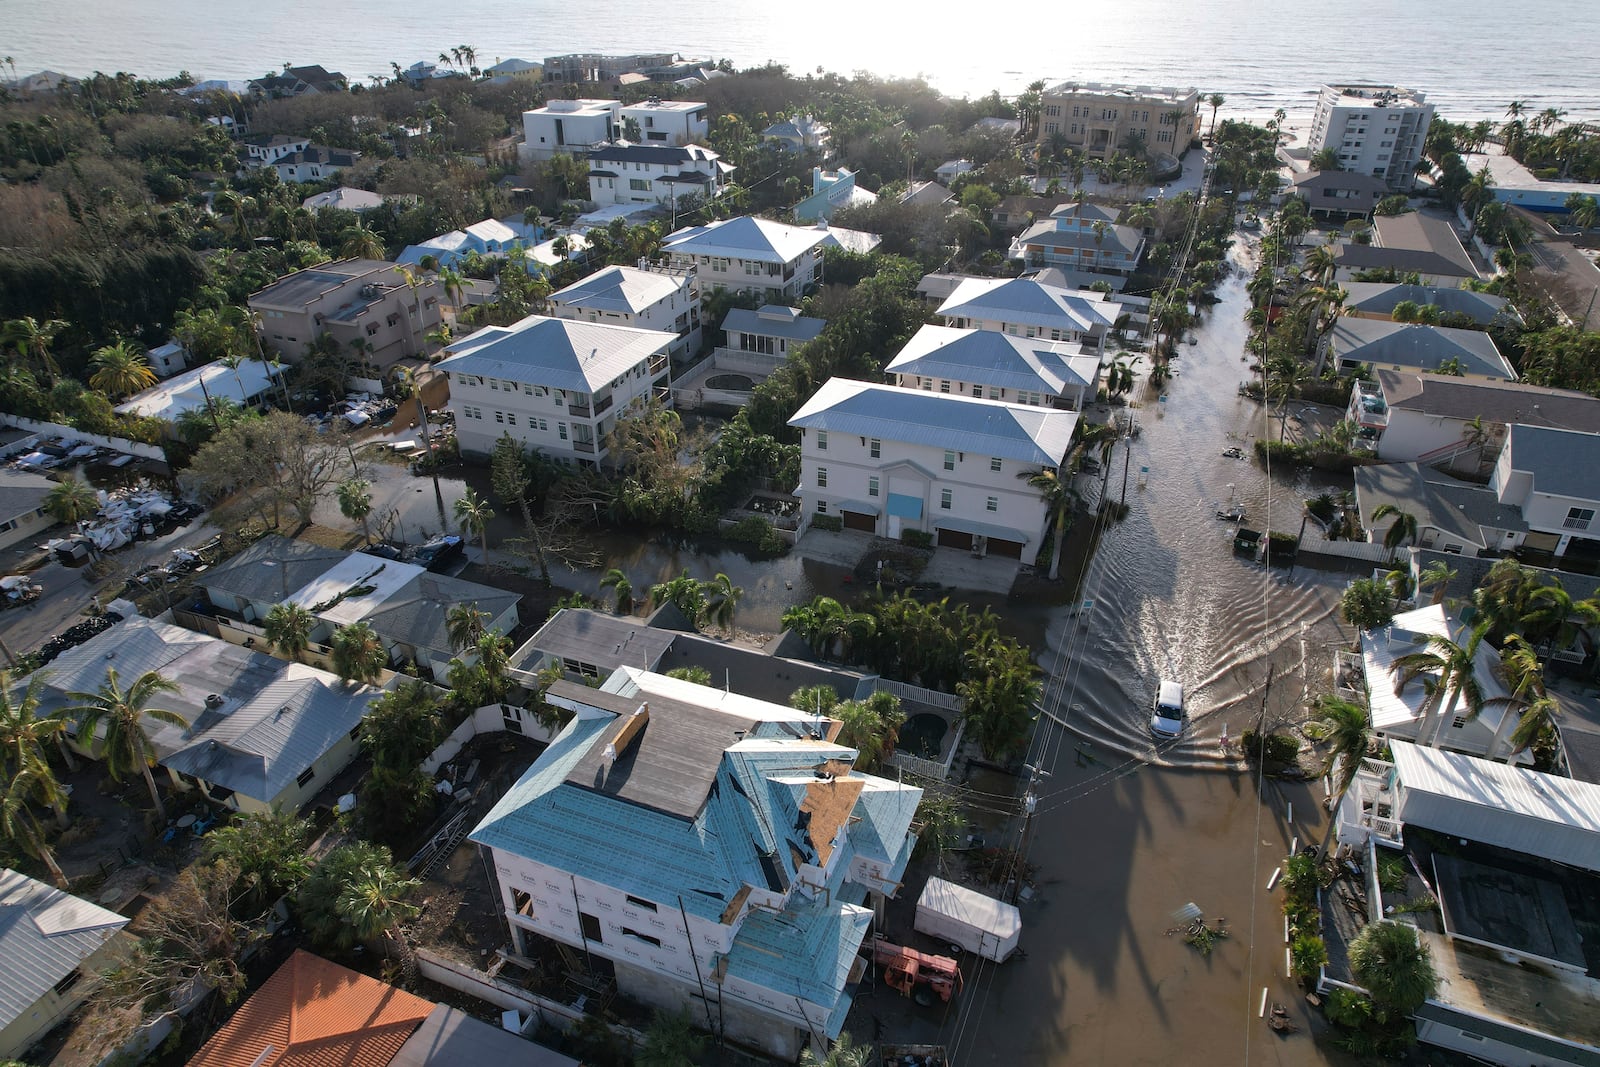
x=769 y=322
x=999 y=359
x=1030 y=303
x=806 y=950
x=913 y=416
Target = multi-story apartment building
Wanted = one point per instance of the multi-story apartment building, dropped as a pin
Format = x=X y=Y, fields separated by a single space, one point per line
x=365 y=303
x=625 y=173
x=716 y=853
x=596 y=68
x=1375 y=129
x=1098 y=119
x=666 y=122
x=887 y=459
x=1027 y=308
x=556 y=385
x=569 y=127
x=998 y=366
x=776 y=263
x=649 y=298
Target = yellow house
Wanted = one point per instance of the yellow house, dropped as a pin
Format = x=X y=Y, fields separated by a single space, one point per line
x=51 y=945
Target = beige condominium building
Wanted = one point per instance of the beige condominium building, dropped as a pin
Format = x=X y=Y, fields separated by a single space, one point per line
x=1097 y=119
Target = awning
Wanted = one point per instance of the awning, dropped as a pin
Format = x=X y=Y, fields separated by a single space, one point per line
x=905 y=507
x=860 y=507
x=981 y=529
x=602 y=174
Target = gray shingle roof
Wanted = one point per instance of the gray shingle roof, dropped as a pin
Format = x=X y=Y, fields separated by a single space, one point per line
x=580 y=357
x=1381 y=297
x=1447 y=396
x=660 y=155
x=45 y=935
x=1397 y=344
x=1114 y=239
x=1417 y=231
x=272 y=569
x=985 y=427
x=1562 y=462
x=22 y=493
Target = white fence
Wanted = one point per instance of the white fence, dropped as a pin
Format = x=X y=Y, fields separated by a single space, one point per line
x=490 y=719
x=54 y=429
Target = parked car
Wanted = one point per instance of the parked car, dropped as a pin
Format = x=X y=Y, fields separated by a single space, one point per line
x=1167 y=716
x=439 y=552
x=383 y=551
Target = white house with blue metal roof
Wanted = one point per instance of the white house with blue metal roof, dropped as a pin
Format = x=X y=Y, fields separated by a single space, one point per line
x=749 y=255
x=645 y=297
x=1027 y=308
x=886 y=460
x=998 y=366
x=712 y=851
x=556 y=385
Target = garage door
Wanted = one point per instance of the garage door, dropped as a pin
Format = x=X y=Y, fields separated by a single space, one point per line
x=1008 y=549
x=955 y=539
x=855 y=520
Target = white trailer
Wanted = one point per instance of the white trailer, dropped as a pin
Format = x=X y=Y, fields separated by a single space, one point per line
x=965 y=917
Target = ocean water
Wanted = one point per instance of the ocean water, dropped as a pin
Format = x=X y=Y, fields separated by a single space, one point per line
x=1469 y=56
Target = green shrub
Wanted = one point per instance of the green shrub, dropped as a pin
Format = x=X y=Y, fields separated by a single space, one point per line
x=1308 y=954
x=758 y=531
x=1272 y=748
x=917 y=538
x=831 y=523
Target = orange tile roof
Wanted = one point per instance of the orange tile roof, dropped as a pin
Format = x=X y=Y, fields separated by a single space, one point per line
x=313 y=1013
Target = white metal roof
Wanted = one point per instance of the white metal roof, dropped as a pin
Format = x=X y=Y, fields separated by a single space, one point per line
x=746 y=238
x=380 y=578
x=185 y=392
x=627 y=290
x=913 y=416
x=1406 y=633
x=581 y=357
x=45 y=935
x=1499 y=804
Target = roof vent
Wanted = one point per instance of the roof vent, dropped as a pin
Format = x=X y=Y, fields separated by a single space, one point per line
x=282 y=712
x=214 y=700
x=112 y=654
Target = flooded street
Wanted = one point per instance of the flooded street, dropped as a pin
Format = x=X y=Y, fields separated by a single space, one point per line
x=1127 y=832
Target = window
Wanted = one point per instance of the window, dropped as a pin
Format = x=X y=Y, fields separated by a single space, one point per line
x=305 y=776
x=591 y=927
x=72 y=978
x=949 y=460
x=355 y=732
x=945 y=499
x=822 y=477
x=995 y=464
x=646 y=938
x=822 y=440
x=639 y=902
x=372 y=329
x=991 y=503
x=494 y=384
x=511 y=419
x=877 y=448
x=500 y=416
x=522 y=902
x=639 y=185
x=822 y=507
x=944 y=386
x=1458 y=722
x=561 y=430
x=1578 y=518
x=872 y=485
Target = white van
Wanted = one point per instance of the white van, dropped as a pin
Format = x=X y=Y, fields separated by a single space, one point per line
x=1166 y=719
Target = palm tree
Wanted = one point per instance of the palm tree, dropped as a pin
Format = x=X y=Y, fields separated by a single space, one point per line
x=288 y=627
x=621 y=588
x=19 y=826
x=373 y=906
x=682 y=592
x=1436 y=576
x=844 y=1053
x=71 y=502
x=464 y=624
x=1216 y=100
x=472 y=515
x=1504 y=598
x=862 y=730
x=126 y=746
x=358 y=653
x=358 y=242
x=1058 y=500
x=23 y=733
x=670 y=1042
x=1582 y=210
x=1450 y=670
x=1553 y=618
x=355 y=502
x=33 y=339
x=120 y=370
x=1393 y=965
x=1401 y=531
x=1348 y=726
x=721 y=601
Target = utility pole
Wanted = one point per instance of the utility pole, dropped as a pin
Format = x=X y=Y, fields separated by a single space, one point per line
x=1030 y=803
